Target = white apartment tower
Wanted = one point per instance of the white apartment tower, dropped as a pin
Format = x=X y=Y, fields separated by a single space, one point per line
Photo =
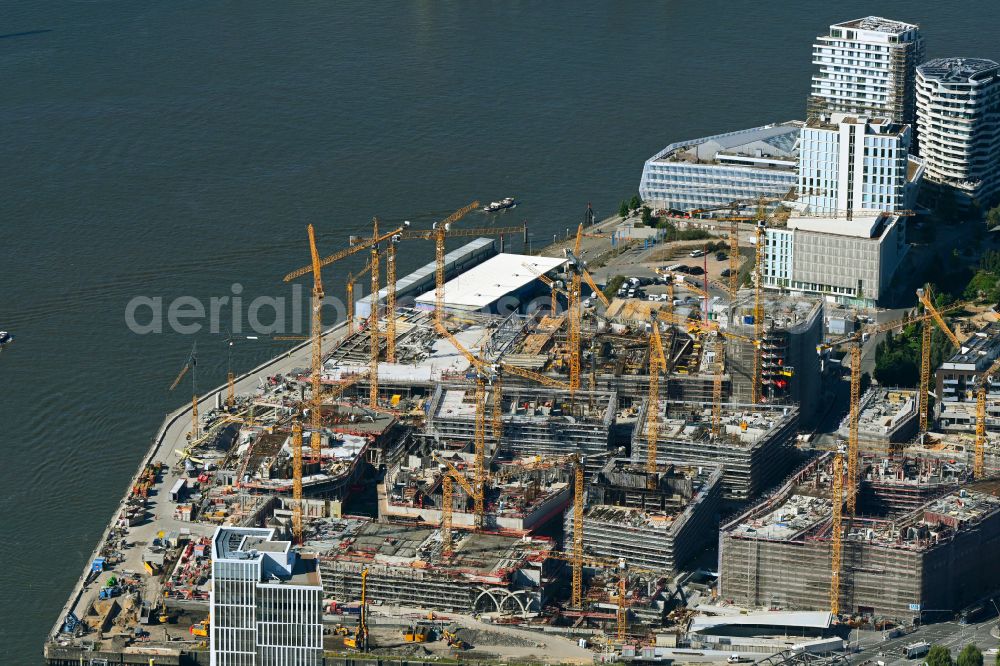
x=266 y=601
x=851 y=164
x=868 y=67
x=958 y=118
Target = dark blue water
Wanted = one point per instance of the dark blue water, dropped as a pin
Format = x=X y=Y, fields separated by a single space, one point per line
x=170 y=148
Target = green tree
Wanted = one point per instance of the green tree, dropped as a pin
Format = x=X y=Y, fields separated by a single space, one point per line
x=993 y=217
x=938 y=656
x=623 y=209
x=611 y=288
x=635 y=202
x=969 y=656
x=647 y=215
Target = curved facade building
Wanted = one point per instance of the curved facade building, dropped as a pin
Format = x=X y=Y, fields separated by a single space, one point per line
x=958 y=120
x=716 y=170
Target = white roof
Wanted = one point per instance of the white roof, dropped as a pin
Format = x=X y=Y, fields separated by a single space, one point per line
x=496 y=277
x=812 y=619
x=863 y=225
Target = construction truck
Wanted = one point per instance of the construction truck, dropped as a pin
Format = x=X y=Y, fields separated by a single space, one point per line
x=418 y=633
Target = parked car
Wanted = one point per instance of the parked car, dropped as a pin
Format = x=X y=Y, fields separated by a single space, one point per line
x=697 y=253
x=681 y=268
x=696 y=270
x=726 y=273
x=721 y=256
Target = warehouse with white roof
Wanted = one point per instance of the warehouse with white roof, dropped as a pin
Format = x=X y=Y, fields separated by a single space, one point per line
x=502 y=284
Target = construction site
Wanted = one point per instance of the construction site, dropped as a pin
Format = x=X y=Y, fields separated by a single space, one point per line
x=754 y=444
x=919 y=537
x=659 y=522
x=495 y=448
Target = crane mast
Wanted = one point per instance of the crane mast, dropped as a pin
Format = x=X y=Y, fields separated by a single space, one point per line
x=373 y=326
x=757 y=389
x=390 y=300
x=852 y=439
x=836 y=530
x=317 y=347
x=297 y=481
x=577 y=563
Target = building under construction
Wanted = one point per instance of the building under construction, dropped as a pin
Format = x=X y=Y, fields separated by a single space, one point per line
x=885 y=416
x=658 y=526
x=520 y=498
x=536 y=421
x=905 y=550
x=790 y=366
x=754 y=445
x=487 y=573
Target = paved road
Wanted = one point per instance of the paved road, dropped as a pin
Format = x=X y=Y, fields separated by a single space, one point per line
x=949 y=634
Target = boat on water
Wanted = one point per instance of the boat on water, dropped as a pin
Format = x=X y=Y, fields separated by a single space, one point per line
x=497 y=206
x=5 y=339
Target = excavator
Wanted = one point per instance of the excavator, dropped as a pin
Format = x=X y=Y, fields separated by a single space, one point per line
x=450 y=636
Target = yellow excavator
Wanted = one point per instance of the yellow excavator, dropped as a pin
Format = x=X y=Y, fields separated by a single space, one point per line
x=359 y=640
x=450 y=636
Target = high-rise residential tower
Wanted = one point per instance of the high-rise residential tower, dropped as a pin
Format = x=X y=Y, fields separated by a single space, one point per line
x=850 y=164
x=868 y=67
x=958 y=118
x=266 y=601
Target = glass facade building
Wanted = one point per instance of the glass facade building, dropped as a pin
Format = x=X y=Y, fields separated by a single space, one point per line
x=266 y=602
x=714 y=171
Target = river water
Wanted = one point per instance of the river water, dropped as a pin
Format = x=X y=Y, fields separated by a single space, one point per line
x=171 y=148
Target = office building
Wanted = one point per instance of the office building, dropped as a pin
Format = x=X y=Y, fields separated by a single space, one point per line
x=848 y=261
x=266 y=601
x=851 y=164
x=868 y=67
x=716 y=170
x=958 y=118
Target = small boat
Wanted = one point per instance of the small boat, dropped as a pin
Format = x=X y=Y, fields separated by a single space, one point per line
x=5 y=338
x=497 y=206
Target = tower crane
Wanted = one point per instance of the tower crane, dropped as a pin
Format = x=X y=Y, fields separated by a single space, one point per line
x=390 y=299
x=373 y=323
x=855 y=340
x=317 y=345
x=734 y=257
x=578 y=271
x=297 y=481
x=439 y=233
x=191 y=366
x=351 y=280
x=449 y=475
x=657 y=362
x=978 y=465
x=315 y=267
x=836 y=531
x=555 y=286
x=623 y=568
x=924 y=296
x=758 y=314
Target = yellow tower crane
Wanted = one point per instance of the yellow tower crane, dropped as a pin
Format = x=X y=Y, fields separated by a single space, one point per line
x=979 y=461
x=191 y=366
x=924 y=297
x=836 y=533
x=734 y=257
x=390 y=300
x=351 y=281
x=657 y=363
x=578 y=271
x=315 y=266
x=448 y=476
x=297 y=481
x=373 y=324
x=316 y=413
x=757 y=388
